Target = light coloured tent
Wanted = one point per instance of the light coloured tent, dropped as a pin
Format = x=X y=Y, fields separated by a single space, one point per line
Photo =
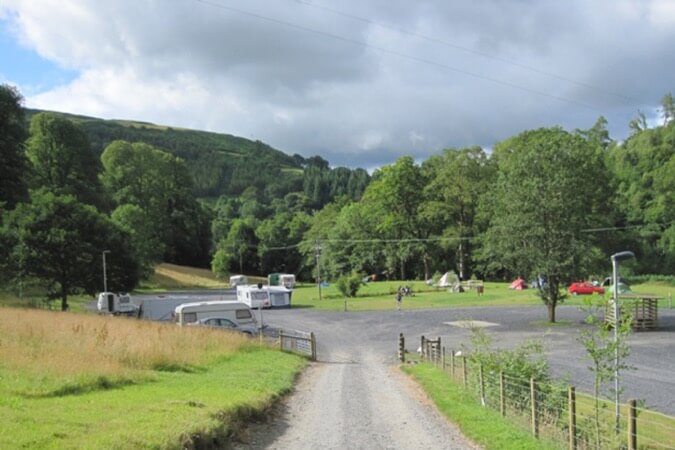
x=448 y=279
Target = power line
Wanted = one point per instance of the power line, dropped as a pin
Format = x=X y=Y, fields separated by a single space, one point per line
x=435 y=40
x=626 y=227
x=395 y=53
x=310 y=244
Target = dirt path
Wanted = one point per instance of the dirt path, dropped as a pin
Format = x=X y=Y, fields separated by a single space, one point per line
x=355 y=399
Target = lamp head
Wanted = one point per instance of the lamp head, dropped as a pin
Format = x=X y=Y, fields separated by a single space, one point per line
x=623 y=255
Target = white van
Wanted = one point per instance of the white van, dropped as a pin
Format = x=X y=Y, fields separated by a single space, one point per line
x=237 y=312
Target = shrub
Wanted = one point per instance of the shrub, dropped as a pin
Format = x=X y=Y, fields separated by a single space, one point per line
x=518 y=365
x=349 y=285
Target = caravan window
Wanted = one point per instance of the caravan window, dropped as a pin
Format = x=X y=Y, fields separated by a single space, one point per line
x=260 y=295
x=189 y=317
x=243 y=314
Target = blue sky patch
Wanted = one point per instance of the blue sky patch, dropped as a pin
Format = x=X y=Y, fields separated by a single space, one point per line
x=26 y=68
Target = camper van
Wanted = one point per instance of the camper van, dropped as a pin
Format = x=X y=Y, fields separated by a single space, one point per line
x=237 y=312
x=260 y=296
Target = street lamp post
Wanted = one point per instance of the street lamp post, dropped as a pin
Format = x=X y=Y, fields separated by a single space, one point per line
x=105 y=274
x=317 y=249
x=615 y=299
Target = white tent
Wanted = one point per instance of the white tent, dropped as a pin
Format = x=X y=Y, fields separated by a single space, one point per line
x=448 y=279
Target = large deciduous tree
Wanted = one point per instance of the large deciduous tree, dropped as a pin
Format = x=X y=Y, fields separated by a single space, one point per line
x=457 y=180
x=160 y=185
x=59 y=241
x=394 y=199
x=12 y=158
x=551 y=189
x=62 y=160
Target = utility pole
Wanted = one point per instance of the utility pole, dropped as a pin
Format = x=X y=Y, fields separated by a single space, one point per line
x=317 y=247
x=615 y=300
x=105 y=275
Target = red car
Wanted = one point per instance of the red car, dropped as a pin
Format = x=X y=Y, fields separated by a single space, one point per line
x=585 y=288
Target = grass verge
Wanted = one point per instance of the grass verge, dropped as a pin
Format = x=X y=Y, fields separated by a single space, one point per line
x=79 y=381
x=483 y=426
x=174 y=410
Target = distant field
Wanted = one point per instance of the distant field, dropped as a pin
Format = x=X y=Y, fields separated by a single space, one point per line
x=83 y=381
x=171 y=276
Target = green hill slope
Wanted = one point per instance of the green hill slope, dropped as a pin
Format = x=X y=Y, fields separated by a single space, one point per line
x=219 y=163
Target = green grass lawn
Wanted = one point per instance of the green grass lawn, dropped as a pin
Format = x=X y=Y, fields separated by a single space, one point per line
x=165 y=412
x=381 y=296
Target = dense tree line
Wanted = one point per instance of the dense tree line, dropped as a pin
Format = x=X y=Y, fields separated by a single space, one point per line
x=546 y=203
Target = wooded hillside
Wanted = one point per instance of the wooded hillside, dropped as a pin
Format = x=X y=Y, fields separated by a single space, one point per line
x=219 y=163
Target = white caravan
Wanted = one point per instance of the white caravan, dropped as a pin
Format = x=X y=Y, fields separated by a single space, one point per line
x=287 y=280
x=259 y=296
x=237 y=312
x=238 y=280
x=117 y=304
x=160 y=308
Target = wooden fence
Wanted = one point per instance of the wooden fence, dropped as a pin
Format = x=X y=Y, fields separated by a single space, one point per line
x=553 y=411
x=301 y=342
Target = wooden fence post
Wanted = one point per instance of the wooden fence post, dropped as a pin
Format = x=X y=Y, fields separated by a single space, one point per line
x=482 y=385
x=533 y=402
x=502 y=395
x=443 y=359
x=422 y=346
x=401 y=347
x=438 y=351
x=281 y=339
x=313 y=344
x=452 y=363
x=572 y=408
x=632 y=425
x=464 y=380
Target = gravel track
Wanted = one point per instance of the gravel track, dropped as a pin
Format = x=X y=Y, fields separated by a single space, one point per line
x=354 y=398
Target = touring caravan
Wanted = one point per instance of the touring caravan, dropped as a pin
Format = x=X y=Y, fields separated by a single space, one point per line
x=238 y=280
x=117 y=304
x=260 y=296
x=235 y=311
x=286 y=280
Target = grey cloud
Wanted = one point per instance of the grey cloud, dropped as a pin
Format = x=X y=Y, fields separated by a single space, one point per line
x=362 y=83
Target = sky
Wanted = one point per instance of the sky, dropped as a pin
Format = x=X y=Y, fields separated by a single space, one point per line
x=359 y=83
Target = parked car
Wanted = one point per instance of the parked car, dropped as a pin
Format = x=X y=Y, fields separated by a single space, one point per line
x=222 y=322
x=585 y=288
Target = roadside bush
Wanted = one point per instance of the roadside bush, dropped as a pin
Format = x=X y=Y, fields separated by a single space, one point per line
x=349 y=285
x=518 y=365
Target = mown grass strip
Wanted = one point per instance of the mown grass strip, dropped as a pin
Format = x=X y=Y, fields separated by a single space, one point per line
x=174 y=410
x=483 y=426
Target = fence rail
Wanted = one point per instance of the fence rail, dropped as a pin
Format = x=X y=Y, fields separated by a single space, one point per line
x=301 y=342
x=554 y=411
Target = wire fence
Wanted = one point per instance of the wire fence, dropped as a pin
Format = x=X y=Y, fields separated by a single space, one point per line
x=551 y=411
